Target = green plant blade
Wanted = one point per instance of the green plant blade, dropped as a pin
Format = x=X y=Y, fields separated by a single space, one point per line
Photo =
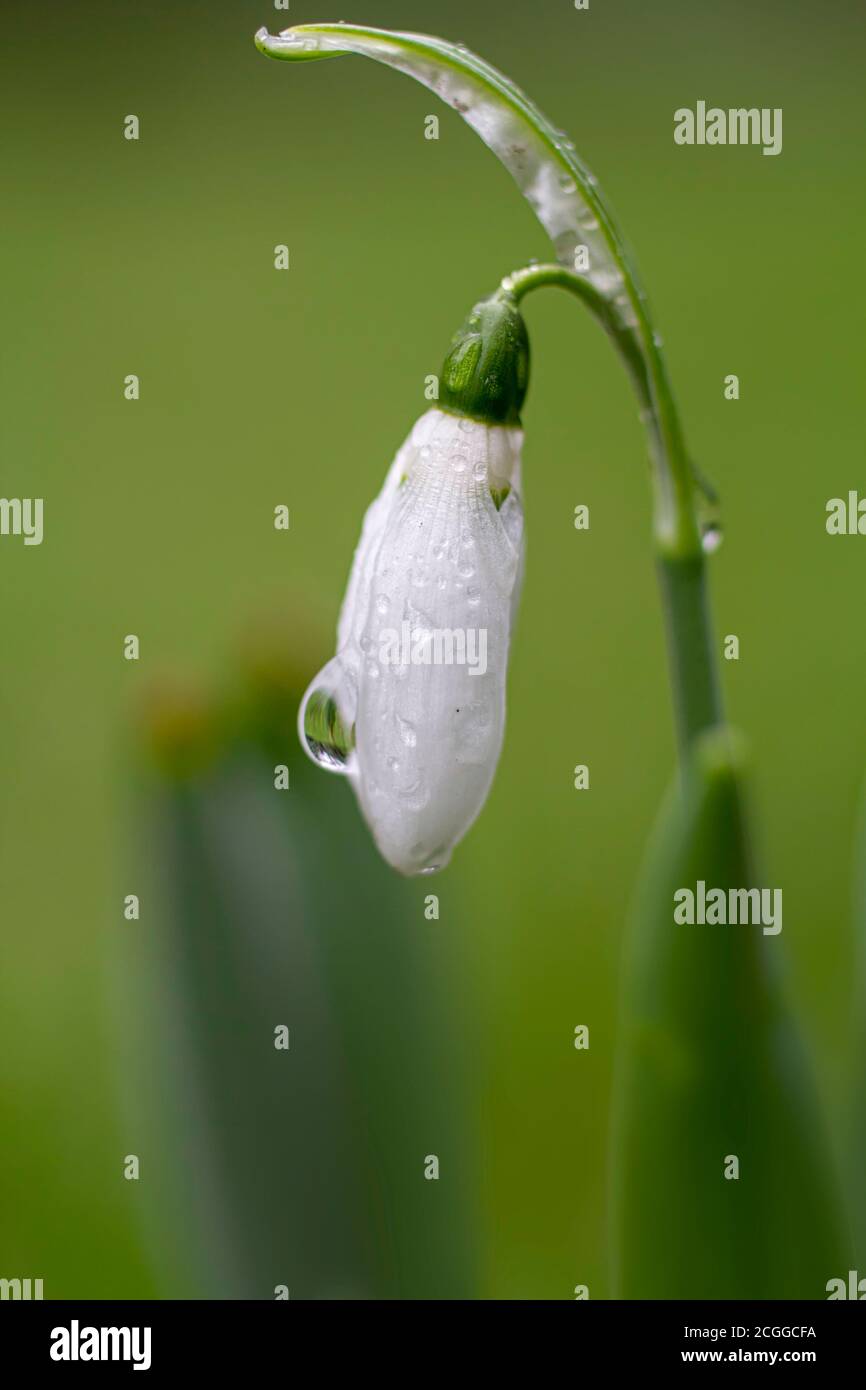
x=564 y=194
x=711 y=1066
x=856 y=1157
x=251 y=1148
x=302 y=1167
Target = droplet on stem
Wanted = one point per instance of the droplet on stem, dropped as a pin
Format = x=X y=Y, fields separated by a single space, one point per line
x=711 y=537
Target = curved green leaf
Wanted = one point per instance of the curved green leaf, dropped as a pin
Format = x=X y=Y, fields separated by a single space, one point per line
x=545 y=165
x=562 y=191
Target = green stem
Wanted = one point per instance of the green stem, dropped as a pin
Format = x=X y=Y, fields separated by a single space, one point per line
x=676 y=529
x=691 y=649
x=569 y=204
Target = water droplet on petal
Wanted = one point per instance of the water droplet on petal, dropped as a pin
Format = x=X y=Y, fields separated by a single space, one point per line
x=407 y=732
x=328 y=727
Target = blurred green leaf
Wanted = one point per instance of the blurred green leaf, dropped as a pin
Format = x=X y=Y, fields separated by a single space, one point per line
x=856 y=1168
x=711 y=1066
x=302 y=1167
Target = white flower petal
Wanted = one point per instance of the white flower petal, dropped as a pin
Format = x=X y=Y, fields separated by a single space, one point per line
x=424 y=633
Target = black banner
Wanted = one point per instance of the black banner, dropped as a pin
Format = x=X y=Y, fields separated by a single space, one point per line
x=217 y=1338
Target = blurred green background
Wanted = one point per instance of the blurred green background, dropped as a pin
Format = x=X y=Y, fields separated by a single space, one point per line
x=259 y=388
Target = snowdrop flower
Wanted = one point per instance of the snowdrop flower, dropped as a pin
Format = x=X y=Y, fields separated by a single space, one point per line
x=412 y=707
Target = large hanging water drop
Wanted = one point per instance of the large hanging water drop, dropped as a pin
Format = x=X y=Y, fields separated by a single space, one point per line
x=327 y=717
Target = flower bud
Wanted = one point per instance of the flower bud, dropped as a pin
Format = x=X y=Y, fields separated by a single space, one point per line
x=412 y=707
x=486 y=372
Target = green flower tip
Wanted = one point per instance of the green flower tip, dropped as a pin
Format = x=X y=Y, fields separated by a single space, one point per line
x=300 y=42
x=486 y=372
